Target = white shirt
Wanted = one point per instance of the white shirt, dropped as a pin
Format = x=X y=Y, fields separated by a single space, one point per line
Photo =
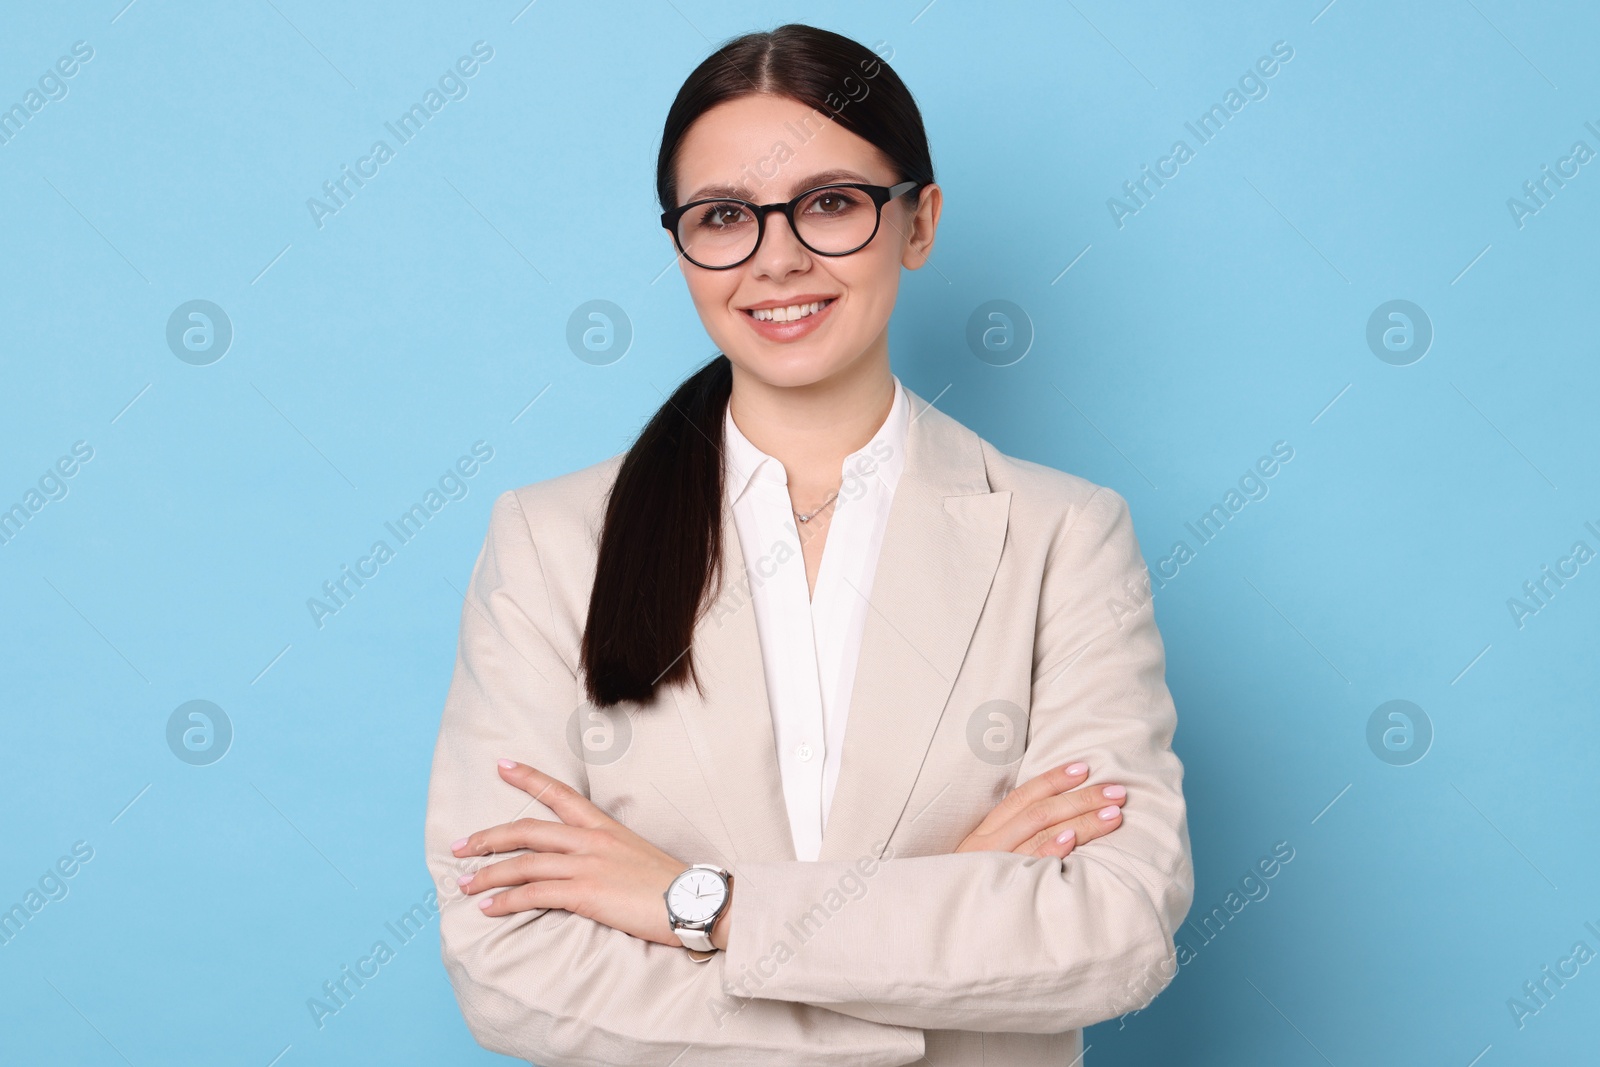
x=809 y=644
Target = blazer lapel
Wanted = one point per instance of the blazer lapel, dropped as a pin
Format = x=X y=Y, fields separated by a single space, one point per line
x=940 y=553
x=941 y=550
x=730 y=726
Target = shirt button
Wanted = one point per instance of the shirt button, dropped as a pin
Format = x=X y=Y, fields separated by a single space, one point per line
x=804 y=752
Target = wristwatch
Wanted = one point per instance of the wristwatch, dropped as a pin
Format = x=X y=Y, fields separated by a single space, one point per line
x=696 y=899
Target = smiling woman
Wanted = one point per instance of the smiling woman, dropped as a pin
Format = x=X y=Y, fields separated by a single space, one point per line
x=655 y=839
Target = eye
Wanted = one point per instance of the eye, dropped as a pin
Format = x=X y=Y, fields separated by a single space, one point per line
x=719 y=215
x=833 y=202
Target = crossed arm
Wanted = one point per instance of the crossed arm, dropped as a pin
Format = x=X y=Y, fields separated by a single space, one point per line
x=573 y=964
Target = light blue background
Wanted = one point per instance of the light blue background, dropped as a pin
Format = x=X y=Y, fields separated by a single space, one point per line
x=1229 y=313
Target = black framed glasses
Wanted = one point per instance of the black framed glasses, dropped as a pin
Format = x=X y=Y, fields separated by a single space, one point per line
x=830 y=220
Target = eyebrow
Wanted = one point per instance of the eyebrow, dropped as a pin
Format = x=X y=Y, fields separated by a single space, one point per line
x=741 y=192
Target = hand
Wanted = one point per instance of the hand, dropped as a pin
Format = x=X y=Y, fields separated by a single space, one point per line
x=588 y=863
x=1035 y=816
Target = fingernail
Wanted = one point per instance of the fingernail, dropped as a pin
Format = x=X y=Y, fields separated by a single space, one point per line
x=1110 y=813
x=1065 y=836
x=1076 y=769
x=459 y=845
x=485 y=902
x=463 y=880
x=508 y=764
x=1114 y=792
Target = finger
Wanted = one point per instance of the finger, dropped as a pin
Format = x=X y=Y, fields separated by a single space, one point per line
x=570 y=806
x=532 y=895
x=541 y=835
x=1035 y=789
x=1062 y=838
x=1060 y=808
x=518 y=870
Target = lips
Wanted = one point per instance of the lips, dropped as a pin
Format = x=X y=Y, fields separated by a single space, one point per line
x=786 y=330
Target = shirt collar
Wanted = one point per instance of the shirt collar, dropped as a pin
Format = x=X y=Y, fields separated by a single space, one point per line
x=884 y=455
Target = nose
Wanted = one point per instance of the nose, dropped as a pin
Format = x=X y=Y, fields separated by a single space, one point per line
x=786 y=248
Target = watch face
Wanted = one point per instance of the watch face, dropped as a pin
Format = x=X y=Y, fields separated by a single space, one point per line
x=695 y=895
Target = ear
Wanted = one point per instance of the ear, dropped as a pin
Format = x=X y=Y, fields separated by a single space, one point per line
x=924 y=224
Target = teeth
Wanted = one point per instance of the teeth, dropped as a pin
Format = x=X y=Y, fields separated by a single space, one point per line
x=788 y=314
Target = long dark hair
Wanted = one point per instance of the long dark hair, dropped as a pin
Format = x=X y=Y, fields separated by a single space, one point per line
x=661 y=546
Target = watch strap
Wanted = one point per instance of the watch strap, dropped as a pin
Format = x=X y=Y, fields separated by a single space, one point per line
x=699 y=940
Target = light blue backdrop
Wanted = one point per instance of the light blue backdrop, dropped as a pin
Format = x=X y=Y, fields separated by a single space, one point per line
x=1439 y=463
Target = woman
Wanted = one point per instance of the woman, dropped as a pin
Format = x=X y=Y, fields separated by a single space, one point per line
x=650 y=701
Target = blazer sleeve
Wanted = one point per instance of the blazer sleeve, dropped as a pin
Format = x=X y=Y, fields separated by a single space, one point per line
x=996 y=941
x=551 y=986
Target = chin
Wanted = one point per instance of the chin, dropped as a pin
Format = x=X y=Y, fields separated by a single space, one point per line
x=788 y=367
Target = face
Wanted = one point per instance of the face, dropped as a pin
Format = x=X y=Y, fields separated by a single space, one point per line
x=766 y=148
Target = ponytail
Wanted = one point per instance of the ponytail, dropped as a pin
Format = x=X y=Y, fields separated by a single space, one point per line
x=661 y=546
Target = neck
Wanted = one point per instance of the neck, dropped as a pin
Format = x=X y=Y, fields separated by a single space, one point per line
x=810 y=429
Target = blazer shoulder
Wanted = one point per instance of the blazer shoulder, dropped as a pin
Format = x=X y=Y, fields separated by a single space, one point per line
x=1041 y=493
x=568 y=507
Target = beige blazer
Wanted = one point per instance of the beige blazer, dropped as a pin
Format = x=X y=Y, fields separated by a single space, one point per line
x=1011 y=630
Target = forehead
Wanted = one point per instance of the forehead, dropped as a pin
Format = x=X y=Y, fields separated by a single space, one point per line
x=767 y=147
